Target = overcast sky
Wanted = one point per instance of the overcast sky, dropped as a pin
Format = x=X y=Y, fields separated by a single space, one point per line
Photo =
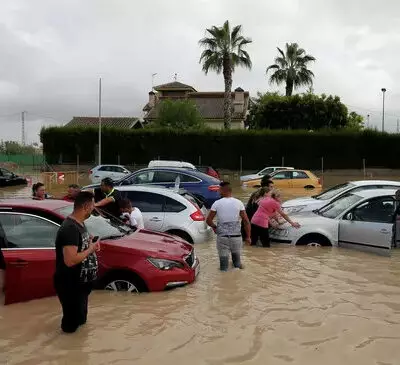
x=52 y=53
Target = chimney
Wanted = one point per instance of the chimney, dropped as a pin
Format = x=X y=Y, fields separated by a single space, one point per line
x=238 y=102
x=152 y=99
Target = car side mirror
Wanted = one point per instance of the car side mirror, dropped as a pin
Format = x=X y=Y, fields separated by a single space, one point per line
x=349 y=216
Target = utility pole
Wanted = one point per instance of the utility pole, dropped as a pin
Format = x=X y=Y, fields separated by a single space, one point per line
x=383 y=108
x=368 y=116
x=23 y=128
x=99 y=158
x=398 y=126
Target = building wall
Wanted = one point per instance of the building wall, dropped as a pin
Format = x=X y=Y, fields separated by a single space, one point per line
x=219 y=124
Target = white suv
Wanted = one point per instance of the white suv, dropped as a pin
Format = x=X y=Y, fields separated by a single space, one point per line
x=165 y=210
x=100 y=172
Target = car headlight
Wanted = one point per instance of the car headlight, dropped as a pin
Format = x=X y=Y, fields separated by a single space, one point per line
x=164 y=264
x=296 y=209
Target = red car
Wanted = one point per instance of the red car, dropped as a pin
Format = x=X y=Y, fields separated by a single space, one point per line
x=133 y=261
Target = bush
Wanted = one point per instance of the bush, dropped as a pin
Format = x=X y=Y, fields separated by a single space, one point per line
x=224 y=149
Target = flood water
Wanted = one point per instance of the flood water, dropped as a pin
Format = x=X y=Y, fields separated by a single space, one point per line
x=290 y=305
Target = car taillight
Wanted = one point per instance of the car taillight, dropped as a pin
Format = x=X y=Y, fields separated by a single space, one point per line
x=213 y=188
x=90 y=172
x=197 y=216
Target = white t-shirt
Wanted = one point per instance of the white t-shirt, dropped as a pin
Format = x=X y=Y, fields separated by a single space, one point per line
x=228 y=215
x=136 y=218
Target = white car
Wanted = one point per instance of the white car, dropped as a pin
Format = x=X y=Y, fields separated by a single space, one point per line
x=165 y=210
x=266 y=171
x=115 y=172
x=310 y=203
x=361 y=220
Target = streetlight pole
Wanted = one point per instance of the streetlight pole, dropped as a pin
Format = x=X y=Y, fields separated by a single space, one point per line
x=383 y=108
x=368 y=116
x=99 y=158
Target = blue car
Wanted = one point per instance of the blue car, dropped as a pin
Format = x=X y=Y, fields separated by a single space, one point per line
x=202 y=186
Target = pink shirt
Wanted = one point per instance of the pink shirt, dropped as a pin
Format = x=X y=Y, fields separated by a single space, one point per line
x=267 y=207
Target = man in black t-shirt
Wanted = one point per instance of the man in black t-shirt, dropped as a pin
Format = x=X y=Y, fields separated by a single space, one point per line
x=76 y=264
x=107 y=198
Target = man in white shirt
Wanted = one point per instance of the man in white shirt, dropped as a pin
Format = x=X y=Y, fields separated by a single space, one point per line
x=133 y=214
x=229 y=212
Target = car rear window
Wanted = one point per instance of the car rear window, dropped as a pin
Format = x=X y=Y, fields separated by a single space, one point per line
x=173 y=206
x=193 y=200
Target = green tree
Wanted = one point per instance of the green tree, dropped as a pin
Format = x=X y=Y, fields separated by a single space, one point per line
x=15 y=148
x=223 y=52
x=306 y=111
x=355 y=121
x=178 y=114
x=290 y=68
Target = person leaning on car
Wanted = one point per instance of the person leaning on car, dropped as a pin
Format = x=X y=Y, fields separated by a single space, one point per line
x=252 y=204
x=107 y=198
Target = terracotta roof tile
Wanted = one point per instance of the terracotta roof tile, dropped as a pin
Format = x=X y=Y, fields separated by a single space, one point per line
x=174 y=86
x=118 y=122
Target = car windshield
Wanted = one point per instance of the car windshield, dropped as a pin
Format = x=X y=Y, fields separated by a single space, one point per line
x=338 y=206
x=98 y=225
x=266 y=171
x=332 y=192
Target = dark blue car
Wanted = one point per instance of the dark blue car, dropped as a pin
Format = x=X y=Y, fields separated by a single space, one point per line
x=202 y=186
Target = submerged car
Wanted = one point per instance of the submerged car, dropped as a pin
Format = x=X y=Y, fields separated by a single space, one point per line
x=266 y=171
x=203 y=186
x=8 y=178
x=309 y=203
x=286 y=179
x=129 y=260
x=361 y=220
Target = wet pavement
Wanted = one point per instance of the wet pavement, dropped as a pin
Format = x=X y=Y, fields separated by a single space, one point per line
x=290 y=305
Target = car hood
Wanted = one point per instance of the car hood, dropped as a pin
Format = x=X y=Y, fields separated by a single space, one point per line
x=300 y=201
x=249 y=177
x=153 y=244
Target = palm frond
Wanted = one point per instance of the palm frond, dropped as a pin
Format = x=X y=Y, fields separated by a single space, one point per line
x=278 y=77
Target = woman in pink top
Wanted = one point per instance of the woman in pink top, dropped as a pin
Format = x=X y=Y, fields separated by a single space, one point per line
x=268 y=207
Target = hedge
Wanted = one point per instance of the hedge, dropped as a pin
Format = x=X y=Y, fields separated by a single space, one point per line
x=226 y=149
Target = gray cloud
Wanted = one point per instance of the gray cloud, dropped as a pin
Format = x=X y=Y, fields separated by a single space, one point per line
x=53 y=52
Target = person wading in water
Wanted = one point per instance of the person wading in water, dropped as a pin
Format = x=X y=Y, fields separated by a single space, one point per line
x=76 y=264
x=268 y=207
x=229 y=212
x=252 y=204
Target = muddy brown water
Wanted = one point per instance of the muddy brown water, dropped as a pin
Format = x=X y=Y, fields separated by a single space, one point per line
x=291 y=305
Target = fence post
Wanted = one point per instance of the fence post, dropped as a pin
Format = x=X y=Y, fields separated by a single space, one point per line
x=77 y=169
x=322 y=169
x=119 y=160
x=283 y=161
x=364 y=169
x=199 y=160
x=241 y=165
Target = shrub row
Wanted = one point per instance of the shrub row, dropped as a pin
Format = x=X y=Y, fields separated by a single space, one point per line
x=225 y=149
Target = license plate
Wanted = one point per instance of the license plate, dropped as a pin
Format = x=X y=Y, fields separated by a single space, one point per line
x=197 y=270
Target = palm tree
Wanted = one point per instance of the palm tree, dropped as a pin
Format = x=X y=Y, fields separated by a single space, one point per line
x=223 y=51
x=291 y=68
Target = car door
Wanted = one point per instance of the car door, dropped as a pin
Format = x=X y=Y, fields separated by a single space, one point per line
x=369 y=226
x=29 y=256
x=282 y=179
x=299 y=179
x=152 y=207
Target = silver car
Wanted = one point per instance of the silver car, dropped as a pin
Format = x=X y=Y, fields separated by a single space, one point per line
x=361 y=220
x=309 y=203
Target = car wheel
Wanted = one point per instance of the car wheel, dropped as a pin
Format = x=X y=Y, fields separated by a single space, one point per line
x=313 y=240
x=309 y=187
x=182 y=235
x=124 y=282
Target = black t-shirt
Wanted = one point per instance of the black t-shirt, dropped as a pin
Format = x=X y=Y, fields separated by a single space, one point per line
x=111 y=208
x=252 y=206
x=71 y=233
